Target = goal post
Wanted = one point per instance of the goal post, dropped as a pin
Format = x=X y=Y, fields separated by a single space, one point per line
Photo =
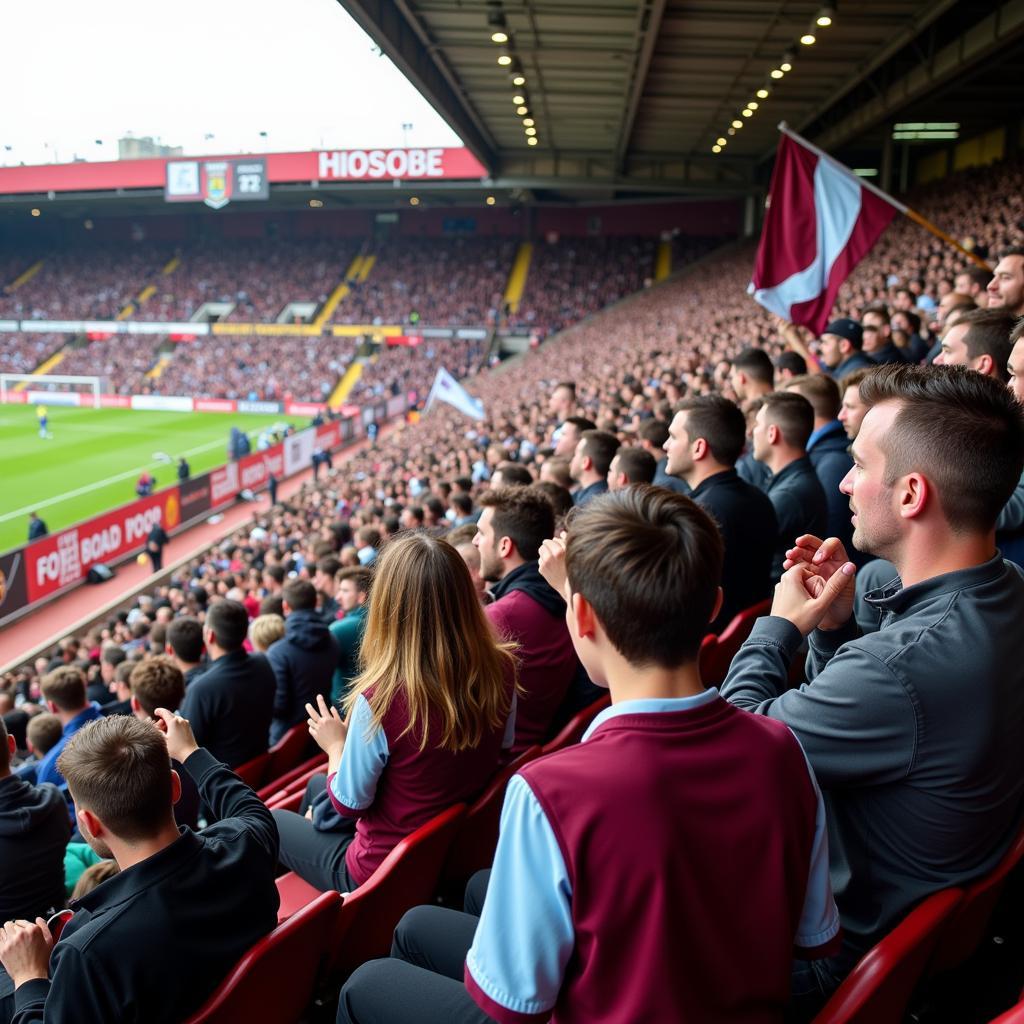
x=51 y=387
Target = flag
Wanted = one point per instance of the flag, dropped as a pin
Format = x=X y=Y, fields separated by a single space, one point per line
x=821 y=222
x=448 y=389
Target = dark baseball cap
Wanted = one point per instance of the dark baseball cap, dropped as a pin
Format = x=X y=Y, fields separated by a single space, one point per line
x=848 y=329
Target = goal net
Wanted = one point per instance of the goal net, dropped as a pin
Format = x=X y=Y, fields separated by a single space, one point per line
x=55 y=389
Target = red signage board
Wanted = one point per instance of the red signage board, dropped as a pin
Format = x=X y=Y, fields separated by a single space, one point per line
x=397 y=164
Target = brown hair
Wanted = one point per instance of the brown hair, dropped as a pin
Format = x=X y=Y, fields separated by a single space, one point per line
x=719 y=422
x=158 y=683
x=523 y=514
x=92 y=876
x=360 y=573
x=43 y=732
x=649 y=562
x=65 y=686
x=600 y=447
x=638 y=464
x=964 y=431
x=792 y=414
x=118 y=768
x=299 y=595
x=429 y=644
x=989 y=333
x=854 y=378
x=559 y=469
x=821 y=391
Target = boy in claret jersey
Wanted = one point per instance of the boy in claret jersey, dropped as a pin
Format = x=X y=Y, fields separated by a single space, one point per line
x=667 y=868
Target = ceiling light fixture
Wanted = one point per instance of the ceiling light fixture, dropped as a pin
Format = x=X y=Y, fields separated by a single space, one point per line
x=490 y=200
x=747 y=112
x=731 y=131
x=737 y=124
x=504 y=60
x=825 y=16
x=518 y=79
x=528 y=122
x=752 y=104
x=808 y=38
x=530 y=131
x=413 y=201
x=521 y=111
x=532 y=141
x=776 y=73
x=716 y=149
x=763 y=93
x=518 y=98
x=499 y=37
x=721 y=140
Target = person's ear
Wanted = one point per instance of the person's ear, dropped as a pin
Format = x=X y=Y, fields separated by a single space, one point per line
x=168 y=650
x=51 y=707
x=505 y=547
x=135 y=705
x=719 y=597
x=699 y=449
x=89 y=824
x=914 y=495
x=774 y=434
x=985 y=365
x=175 y=786
x=12 y=745
x=586 y=620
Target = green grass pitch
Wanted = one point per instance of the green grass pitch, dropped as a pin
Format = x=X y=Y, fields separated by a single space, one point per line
x=95 y=456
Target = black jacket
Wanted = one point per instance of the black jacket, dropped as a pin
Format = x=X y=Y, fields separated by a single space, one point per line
x=152 y=943
x=889 y=354
x=673 y=483
x=588 y=493
x=746 y=519
x=230 y=706
x=303 y=660
x=800 y=507
x=830 y=456
x=34 y=829
x=858 y=361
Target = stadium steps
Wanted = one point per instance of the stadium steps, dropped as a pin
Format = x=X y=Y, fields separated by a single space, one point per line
x=44 y=367
x=663 y=261
x=338 y=295
x=149 y=291
x=517 y=276
x=344 y=386
x=158 y=367
x=24 y=277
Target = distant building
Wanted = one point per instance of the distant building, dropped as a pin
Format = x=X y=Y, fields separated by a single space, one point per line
x=131 y=148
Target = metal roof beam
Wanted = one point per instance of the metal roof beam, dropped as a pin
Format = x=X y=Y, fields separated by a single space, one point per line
x=648 y=23
x=396 y=30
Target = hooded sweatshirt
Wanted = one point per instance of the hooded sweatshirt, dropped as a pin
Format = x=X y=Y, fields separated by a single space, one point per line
x=303 y=660
x=34 y=830
x=527 y=611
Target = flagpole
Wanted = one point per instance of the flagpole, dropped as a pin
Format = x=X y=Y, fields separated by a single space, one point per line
x=913 y=215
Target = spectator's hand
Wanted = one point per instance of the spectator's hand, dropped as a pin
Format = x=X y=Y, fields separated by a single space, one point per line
x=552 y=565
x=326 y=726
x=826 y=558
x=809 y=599
x=25 y=950
x=181 y=744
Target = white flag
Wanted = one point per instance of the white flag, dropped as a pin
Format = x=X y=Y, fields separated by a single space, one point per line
x=447 y=389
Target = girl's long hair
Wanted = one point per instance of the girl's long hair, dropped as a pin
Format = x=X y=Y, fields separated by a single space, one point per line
x=429 y=642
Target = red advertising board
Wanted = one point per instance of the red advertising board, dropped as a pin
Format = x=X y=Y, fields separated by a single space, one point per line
x=400 y=163
x=115 y=401
x=215 y=405
x=254 y=470
x=303 y=408
x=223 y=485
x=64 y=558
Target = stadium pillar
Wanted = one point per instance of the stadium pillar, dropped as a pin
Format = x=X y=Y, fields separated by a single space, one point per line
x=749 y=215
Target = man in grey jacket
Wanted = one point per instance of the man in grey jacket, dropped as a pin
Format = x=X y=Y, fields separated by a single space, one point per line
x=914 y=731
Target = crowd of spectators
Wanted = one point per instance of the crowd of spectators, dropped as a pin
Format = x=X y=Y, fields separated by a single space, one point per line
x=439 y=282
x=670 y=372
x=22 y=353
x=122 y=361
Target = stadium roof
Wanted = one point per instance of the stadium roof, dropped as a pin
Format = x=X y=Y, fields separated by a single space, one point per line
x=631 y=95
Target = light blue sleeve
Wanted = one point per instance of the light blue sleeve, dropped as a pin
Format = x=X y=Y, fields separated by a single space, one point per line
x=525 y=936
x=362 y=761
x=819 y=920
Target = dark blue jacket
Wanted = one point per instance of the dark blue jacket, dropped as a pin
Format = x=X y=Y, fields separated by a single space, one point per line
x=830 y=456
x=800 y=507
x=303 y=660
x=151 y=943
x=858 y=361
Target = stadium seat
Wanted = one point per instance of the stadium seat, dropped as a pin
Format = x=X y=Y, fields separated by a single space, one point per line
x=966 y=928
x=253 y=772
x=879 y=988
x=474 y=844
x=287 y=752
x=275 y=980
x=297 y=776
x=716 y=659
x=573 y=730
x=1014 y=1015
x=290 y=801
x=407 y=877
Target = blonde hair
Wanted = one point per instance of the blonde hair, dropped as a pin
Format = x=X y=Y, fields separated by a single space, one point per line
x=265 y=630
x=429 y=642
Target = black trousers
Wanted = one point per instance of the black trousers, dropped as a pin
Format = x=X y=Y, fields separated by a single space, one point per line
x=316 y=857
x=422 y=980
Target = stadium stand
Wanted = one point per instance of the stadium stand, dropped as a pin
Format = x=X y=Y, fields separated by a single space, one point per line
x=630 y=364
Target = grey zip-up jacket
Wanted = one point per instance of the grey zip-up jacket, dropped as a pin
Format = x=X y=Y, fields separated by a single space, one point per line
x=915 y=733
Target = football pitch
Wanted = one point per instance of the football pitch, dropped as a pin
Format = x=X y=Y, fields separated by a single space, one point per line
x=94 y=457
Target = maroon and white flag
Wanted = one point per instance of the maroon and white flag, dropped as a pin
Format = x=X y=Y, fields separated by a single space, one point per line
x=821 y=222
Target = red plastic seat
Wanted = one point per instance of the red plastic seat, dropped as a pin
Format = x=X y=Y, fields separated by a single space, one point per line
x=287 y=752
x=275 y=980
x=879 y=988
x=253 y=772
x=966 y=928
x=408 y=877
x=474 y=844
x=573 y=730
x=287 y=801
x=1014 y=1015
x=300 y=774
x=715 y=662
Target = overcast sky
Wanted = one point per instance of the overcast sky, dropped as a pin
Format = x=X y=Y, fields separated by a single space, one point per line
x=300 y=70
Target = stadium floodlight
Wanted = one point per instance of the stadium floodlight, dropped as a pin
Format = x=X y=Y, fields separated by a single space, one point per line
x=747 y=112
x=776 y=73
x=36 y=212
x=518 y=99
x=721 y=140
x=490 y=200
x=825 y=16
x=716 y=148
x=808 y=38
x=499 y=37
x=752 y=104
x=414 y=201
x=522 y=110
x=504 y=60
x=532 y=141
x=518 y=79
x=737 y=124
x=764 y=92
x=528 y=122
x=530 y=131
